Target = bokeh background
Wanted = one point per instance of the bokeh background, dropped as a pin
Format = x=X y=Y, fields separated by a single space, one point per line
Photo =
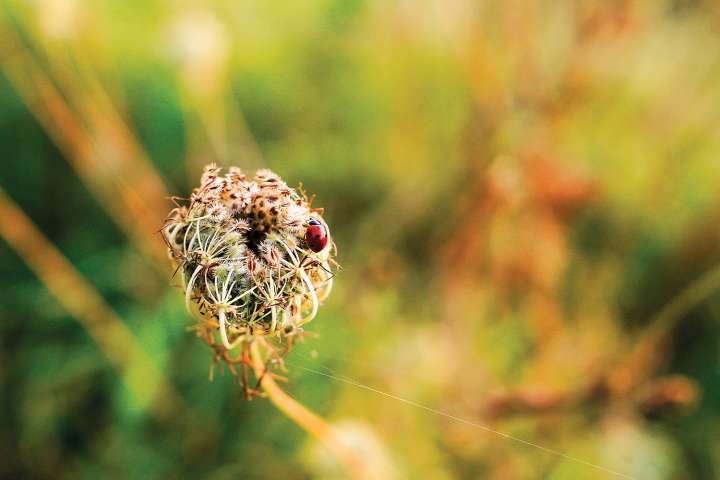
x=524 y=195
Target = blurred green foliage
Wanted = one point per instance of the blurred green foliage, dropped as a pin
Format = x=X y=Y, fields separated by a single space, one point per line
x=516 y=190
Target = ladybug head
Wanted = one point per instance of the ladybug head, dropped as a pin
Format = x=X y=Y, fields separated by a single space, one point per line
x=312 y=221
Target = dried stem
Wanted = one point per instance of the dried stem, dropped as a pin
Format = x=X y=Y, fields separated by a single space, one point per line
x=306 y=419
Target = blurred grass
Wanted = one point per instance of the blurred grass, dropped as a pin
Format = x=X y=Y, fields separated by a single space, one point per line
x=517 y=190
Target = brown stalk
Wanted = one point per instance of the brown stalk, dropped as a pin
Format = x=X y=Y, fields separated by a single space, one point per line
x=307 y=420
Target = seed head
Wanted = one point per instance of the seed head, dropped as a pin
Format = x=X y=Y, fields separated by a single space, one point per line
x=240 y=249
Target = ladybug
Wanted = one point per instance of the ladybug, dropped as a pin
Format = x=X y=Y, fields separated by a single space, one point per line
x=316 y=235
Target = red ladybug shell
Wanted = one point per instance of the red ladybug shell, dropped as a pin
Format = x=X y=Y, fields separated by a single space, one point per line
x=316 y=236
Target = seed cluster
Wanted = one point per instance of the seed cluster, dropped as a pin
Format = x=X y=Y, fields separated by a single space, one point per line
x=239 y=246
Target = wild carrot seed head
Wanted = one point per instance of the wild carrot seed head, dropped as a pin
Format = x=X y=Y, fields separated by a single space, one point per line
x=240 y=249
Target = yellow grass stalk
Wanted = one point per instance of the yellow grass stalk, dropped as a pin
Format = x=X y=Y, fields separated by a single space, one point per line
x=307 y=420
x=98 y=145
x=145 y=382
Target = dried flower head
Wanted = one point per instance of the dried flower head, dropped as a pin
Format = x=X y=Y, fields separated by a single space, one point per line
x=248 y=271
